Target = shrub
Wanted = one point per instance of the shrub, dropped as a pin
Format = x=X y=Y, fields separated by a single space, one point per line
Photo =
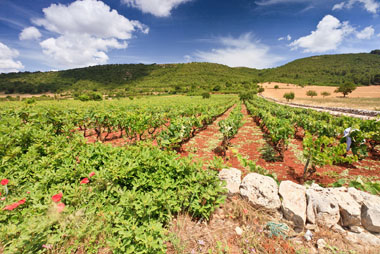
x=246 y=96
x=289 y=96
x=311 y=93
x=324 y=94
x=206 y=95
x=276 y=87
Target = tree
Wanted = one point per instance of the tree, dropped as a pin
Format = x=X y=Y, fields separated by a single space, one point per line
x=246 y=96
x=324 y=94
x=375 y=52
x=311 y=93
x=289 y=96
x=345 y=88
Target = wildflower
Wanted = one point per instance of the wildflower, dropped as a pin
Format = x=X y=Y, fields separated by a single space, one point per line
x=245 y=211
x=4 y=182
x=3 y=198
x=84 y=181
x=91 y=174
x=14 y=205
x=60 y=207
x=201 y=242
x=57 y=197
x=47 y=246
x=28 y=192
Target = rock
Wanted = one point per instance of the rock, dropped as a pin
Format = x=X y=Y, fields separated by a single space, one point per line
x=308 y=235
x=312 y=227
x=363 y=238
x=239 y=231
x=338 y=229
x=261 y=191
x=321 y=244
x=349 y=209
x=322 y=207
x=293 y=202
x=356 y=194
x=232 y=176
x=356 y=229
x=370 y=216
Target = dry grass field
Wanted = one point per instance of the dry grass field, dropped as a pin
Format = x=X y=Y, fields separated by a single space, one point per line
x=366 y=97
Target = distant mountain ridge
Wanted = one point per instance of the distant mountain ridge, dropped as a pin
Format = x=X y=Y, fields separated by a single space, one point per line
x=361 y=69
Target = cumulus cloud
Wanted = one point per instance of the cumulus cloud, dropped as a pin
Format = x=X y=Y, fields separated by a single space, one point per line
x=7 y=62
x=288 y=38
x=328 y=36
x=238 y=52
x=366 y=33
x=159 y=8
x=30 y=33
x=86 y=30
x=370 y=5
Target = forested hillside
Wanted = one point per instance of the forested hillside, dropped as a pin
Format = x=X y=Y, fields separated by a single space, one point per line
x=329 y=70
x=360 y=69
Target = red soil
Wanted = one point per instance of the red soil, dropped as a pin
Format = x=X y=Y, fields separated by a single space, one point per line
x=250 y=139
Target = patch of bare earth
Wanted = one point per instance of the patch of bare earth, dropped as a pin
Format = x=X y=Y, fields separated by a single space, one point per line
x=364 y=97
x=201 y=146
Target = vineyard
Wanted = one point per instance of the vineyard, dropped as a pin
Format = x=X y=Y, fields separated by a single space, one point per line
x=102 y=177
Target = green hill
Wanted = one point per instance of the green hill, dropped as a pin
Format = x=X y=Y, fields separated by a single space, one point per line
x=134 y=77
x=361 y=69
x=329 y=70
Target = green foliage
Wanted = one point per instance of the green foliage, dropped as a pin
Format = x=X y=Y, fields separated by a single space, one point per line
x=276 y=87
x=124 y=207
x=375 y=52
x=311 y=93
x=246 y=96
x=277 y=229
x=289 y=96
x=325 y=93
x=206 y=95
x=345 y=88
x=372 y=187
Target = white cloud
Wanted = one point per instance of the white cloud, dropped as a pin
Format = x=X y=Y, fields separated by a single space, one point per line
x=366 y=33
x=86 y=30
x=339 y=6
x=7 y=62
x=237 y=52
x=328 y=36
x=272 y=2
x=370 y=5
x=30 y=33
x=288 y=38
x=159 y=8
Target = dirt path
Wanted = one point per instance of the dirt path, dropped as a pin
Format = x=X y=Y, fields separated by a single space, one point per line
x=202 y=144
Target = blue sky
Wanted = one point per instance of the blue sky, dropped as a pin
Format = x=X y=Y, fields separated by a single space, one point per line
x=54 y=35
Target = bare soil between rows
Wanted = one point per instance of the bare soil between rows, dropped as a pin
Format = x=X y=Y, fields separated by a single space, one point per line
x=250 y=141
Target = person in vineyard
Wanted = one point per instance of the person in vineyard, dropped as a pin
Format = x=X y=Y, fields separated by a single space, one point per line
x=354 y=140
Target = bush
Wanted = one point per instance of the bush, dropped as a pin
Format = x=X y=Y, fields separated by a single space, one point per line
x=206 y=95
x=289 y=96
x=276 y=87
x=311 y=93
x=324 y=94
x=246 y=96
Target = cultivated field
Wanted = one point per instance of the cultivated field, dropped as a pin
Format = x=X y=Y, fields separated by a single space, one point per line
x=141 y=176
x=364 y=97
